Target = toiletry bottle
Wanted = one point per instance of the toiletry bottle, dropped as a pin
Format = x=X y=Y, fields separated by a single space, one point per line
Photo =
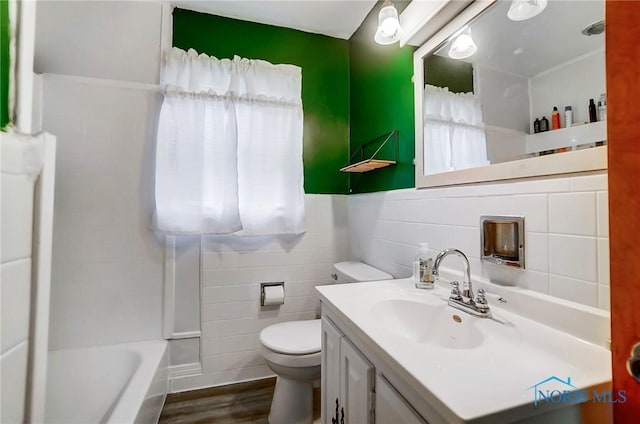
x=536 y=126
x=544 y=124
x=602 y=108
x=422 y=267
x=555 y=119
x=593 y=116
x=568 y=117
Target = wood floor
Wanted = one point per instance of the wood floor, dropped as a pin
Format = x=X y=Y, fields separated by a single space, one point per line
x=233 y=404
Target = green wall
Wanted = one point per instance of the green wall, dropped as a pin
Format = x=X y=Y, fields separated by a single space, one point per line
x=381 y=101
x=4 y=63
x=325 y=82
x=445 y=72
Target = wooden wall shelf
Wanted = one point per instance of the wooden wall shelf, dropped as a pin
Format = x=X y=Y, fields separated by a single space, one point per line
x=371 y=164
x=368 y=165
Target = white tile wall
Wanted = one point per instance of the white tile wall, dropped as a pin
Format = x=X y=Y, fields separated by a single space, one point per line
x=107 y=264
x=566 y=224
x=15 y=290
x=573 y=213
x=231 y=275
x=14 y=383
x=17 y=193
x=17 y=216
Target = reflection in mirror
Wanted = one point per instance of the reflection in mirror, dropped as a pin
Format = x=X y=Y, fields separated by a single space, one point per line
x=488 y=84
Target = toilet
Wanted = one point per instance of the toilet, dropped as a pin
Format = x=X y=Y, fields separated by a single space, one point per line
x=292 y=350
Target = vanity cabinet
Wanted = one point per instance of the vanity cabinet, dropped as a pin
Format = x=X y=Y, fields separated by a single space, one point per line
x=391 y=407
x=351 y=390
x=347 y=379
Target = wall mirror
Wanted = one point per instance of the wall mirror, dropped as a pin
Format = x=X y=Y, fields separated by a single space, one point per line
x=483 y=80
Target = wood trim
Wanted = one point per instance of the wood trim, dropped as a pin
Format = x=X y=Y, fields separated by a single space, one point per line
x=623 y=92
x=185 y=370
x=169 y=308
x=180 y=335
x=41 y=281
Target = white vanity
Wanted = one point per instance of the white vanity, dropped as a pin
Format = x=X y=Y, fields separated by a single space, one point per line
x=392 y=353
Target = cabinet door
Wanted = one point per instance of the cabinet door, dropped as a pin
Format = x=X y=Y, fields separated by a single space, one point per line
x=356 y=385
x=391 y=407
x=330 y=379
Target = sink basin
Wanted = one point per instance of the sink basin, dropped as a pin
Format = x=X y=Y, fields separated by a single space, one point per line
x=421 y=322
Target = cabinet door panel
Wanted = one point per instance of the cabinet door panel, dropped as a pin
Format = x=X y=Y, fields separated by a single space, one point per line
x=356 y=387
x=391 y=407
x=330 y=379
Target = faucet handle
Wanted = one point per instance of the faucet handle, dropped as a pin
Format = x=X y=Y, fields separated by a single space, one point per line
x=481 y=295
x=455 y=290
x=481 y=300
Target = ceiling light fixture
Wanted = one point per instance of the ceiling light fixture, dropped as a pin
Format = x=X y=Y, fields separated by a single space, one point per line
x=389 y=29
x=463 y=46
x=595 y=28
x=521 y=10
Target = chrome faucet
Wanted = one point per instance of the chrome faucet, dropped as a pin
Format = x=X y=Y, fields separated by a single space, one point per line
x=465 y=301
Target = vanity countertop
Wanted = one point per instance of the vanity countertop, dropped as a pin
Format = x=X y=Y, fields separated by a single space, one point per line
x=469 y=369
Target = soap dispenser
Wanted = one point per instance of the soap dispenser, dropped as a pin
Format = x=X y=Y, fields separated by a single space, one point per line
x=422 y=268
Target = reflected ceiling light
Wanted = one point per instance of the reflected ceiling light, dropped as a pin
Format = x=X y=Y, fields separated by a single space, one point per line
x=389 y=29
x=463 y=46
x=595 y=28
x=521 y=10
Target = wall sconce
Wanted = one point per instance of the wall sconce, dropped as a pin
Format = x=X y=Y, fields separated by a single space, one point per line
x=463 y=46
x=521 y=10
x=389 y=29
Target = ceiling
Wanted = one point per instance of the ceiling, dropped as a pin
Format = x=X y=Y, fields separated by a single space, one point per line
x=528 y=48
x=338 y=19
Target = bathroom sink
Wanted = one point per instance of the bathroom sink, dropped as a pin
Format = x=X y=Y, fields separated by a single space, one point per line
x=471 y=367
x=422 y=322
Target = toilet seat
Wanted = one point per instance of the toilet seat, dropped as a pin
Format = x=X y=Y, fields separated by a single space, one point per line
x=293 y=361
x=293 y=343
x=293 y=337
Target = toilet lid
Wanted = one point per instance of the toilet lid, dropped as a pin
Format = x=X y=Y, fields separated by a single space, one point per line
x=293 y=337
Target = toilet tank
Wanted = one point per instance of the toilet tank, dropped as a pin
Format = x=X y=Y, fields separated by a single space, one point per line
x=354 y=271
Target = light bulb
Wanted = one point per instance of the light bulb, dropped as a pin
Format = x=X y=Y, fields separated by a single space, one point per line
x=463 y=46
x=463 y=42
x=521 y=10
x=389 y=26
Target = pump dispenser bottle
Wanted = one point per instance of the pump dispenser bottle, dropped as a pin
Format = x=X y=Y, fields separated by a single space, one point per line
x=422 y=267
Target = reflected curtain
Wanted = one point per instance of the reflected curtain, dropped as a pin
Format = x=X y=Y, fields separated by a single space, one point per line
x=229 y=147
x=454 y=136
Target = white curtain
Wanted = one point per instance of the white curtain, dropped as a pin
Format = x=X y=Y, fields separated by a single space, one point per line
x=229 y=147
x=454 y=136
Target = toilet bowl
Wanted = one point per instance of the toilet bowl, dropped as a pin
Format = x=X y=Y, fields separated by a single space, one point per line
x=292 y=350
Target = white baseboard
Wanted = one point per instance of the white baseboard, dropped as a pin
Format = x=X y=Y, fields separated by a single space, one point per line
x=185 y=370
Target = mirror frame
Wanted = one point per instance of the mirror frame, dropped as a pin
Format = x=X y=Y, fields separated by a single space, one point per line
x=593 y=159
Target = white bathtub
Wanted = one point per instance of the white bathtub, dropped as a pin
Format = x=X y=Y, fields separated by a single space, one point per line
x=119 y=384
